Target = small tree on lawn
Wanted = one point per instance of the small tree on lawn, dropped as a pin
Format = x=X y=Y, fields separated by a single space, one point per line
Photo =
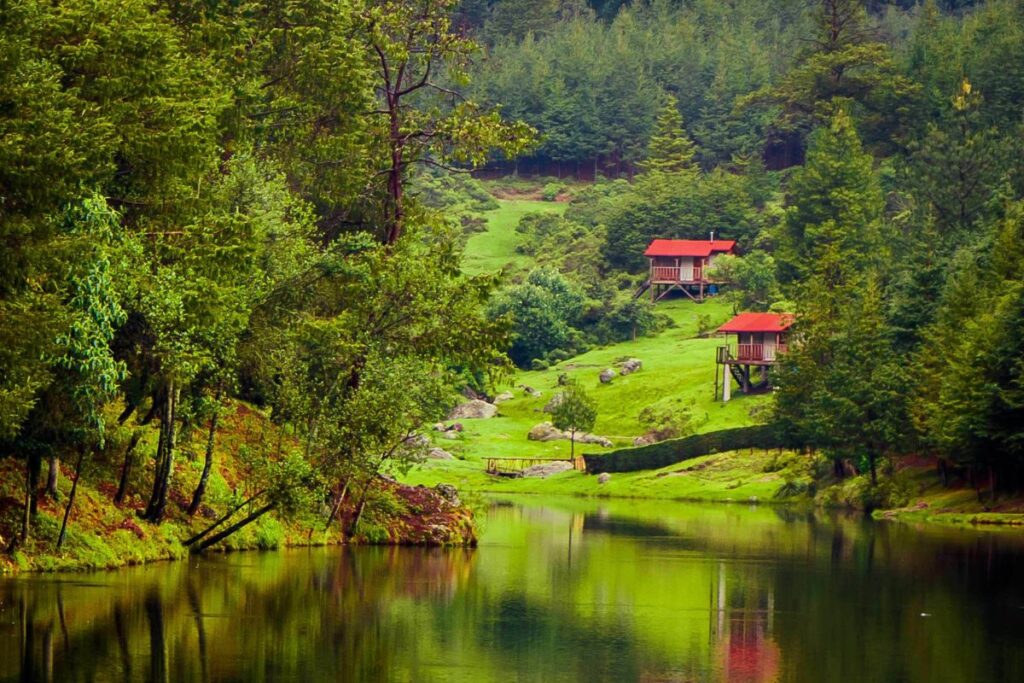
x=576 y=413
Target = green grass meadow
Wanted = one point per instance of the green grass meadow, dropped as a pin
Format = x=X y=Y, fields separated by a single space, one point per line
x=495 y=249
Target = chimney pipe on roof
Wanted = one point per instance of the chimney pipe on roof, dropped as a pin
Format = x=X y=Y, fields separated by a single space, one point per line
x=712 y=235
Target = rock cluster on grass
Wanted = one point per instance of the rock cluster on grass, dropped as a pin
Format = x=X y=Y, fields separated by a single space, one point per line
x=529 y=391
x=417 y=441
x=546 y=469
x=474 y=409
x=630 y=366
x=450 y=432
x=439 y=454
x=607 y=376
x=546 y=431
x=555 y=401
x=503 y=396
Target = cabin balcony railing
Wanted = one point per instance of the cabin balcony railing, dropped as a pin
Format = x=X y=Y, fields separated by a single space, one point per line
x=757 y=353
x=673 y=274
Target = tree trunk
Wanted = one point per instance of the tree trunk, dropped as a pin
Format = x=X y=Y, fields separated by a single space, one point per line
x=126 y=467
x=30 y=487
x=572 y=445
x=397 y=162
x=225 y=517
x=71 y=497
x=197 y=497
x=234 y=527
x=52 y=476
x=874 y=475
x=351 y=531
x=337 y=506
x=165 y=462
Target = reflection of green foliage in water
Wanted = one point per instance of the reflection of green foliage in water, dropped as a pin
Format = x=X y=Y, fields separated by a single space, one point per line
x=558 y=591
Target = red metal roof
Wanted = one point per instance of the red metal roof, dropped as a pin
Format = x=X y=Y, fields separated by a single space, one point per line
x=758 y=322
x=688 y=247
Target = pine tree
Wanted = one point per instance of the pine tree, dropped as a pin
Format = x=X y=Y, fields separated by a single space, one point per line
x=669 y=150
x=835 y=201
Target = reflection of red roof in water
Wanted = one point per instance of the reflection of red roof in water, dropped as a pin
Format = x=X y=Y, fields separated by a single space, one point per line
x=758 y=322
x=689 y=247
x=749 y=655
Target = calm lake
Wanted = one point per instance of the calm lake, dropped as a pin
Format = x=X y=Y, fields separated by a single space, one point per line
x=559 y=590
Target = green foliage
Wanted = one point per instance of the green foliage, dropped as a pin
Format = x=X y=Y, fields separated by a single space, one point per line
x=542 y=311
x=835 y=205
x=551 y=191
x=576 y=411
x=969 y=403
x=752 y=280
x=843 y=65
x=669 y=150
x=674 y=451
x=666 y=421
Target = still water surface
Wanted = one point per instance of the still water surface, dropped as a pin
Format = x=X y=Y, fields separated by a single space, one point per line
x=557 y=591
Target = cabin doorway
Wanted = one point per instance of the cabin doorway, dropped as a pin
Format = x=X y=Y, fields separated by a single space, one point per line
x=686 y=270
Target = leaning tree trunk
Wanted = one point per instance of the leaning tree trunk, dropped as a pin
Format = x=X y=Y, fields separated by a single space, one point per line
x=337 y=506
x=126 y=467
x=197 y=497
x=71 y=497
x=351 y=531
x=252 y=517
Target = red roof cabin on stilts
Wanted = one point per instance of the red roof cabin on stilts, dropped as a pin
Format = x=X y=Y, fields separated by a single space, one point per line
x=760 y=339
x=683 y=265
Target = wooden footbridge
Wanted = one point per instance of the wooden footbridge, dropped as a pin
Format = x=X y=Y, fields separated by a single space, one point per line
x=510 y=467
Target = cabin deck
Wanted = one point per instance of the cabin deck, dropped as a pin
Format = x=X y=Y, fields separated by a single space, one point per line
x=671 y=275
x=751 y=354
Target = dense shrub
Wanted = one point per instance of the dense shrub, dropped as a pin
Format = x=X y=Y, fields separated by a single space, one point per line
x=677 y=450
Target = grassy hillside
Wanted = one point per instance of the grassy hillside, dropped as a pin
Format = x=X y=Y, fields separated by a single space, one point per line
x=495 y=248
x=103 y=534
x=678 y=371
x=724 y=477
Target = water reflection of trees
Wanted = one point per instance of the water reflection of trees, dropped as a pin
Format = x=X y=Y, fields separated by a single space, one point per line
x=731 y=595
x=318 y=615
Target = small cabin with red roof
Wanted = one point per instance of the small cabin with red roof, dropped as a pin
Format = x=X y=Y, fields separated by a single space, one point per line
x=683 y=265
x=760 y=339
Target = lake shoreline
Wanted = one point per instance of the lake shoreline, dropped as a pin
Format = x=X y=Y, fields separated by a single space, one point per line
x=749 y=478
x=424 y=517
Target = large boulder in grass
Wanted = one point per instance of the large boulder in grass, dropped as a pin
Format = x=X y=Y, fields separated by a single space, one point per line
x=504 y=396
x=546 y=431
x=439 y=454
x=475 y=409
x=607 y=376
x=584 y=437
x=630 y=366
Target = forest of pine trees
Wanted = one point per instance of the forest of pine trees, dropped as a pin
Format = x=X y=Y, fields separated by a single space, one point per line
x=204 y=200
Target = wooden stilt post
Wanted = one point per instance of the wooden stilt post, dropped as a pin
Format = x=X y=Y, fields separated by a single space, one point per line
x=726 y=385
x=716 y=379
